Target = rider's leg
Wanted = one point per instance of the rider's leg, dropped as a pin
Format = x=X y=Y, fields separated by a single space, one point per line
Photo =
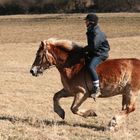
x=95 y=79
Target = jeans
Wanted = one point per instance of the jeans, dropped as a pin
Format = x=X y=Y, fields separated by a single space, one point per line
x=95 y=61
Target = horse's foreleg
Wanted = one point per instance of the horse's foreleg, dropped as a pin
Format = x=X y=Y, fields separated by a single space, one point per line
x=128 y=106
x=79 y=98
x=57 y=108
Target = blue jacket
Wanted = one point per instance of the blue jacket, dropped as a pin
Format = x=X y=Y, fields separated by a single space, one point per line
x=97 y=42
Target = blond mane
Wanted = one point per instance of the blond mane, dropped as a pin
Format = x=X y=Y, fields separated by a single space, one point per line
x=64 y=44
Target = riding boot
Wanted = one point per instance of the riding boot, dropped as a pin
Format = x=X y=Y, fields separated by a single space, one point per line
x=95 y=92
x=96 y=89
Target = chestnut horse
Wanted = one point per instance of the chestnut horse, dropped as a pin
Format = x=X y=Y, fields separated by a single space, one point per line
x=117 y=76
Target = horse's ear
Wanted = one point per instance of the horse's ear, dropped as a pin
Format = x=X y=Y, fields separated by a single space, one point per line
x=42 y=43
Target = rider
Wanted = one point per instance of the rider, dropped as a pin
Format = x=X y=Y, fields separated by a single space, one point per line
x=97 y=49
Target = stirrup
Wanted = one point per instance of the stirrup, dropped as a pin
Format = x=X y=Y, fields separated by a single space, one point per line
x=95 y=93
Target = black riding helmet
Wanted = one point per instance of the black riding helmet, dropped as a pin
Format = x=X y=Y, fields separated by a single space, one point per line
x=92 y=18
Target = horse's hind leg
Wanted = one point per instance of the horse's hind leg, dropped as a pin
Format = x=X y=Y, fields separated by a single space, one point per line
x=128 y=106
x=78 y=100
x=57 y=108
x=123 y=102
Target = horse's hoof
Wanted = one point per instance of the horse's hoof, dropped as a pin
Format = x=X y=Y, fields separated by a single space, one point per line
x=113 y=122
x=62 y=114
x=112 y=126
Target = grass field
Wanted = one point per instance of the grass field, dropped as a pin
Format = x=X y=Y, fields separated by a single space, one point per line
x=26 y=106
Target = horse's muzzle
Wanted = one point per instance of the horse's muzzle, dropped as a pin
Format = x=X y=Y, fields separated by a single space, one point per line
x=35 y=71
x=32 y=72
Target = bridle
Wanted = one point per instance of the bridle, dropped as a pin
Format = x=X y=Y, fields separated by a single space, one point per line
x=45 y=56
x=48 y=64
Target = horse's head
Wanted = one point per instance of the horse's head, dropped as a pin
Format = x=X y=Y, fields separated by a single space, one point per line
x=43 y=60
x=64 y=54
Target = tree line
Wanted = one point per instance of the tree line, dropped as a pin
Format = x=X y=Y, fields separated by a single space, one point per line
x=66 y=6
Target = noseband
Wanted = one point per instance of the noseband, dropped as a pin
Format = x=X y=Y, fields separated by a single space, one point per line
x=49 y=65
x=46 y=57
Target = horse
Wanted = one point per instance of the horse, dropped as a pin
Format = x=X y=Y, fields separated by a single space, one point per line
x=117 y=77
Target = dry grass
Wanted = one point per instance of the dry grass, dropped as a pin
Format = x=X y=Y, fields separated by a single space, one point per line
x=26 y=102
